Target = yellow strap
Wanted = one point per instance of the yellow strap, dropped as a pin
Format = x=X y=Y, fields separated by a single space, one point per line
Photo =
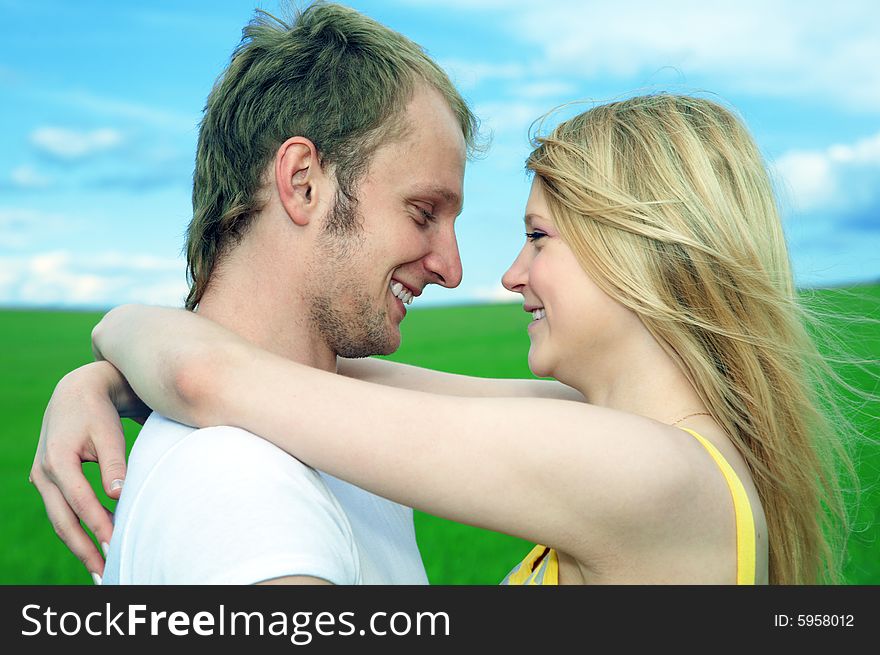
x=551 y=576
x=524 y=571
x=745 y=522
x=547 y=570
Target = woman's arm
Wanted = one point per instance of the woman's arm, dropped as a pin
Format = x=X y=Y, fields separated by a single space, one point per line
x=416 y=378
x=562 y=473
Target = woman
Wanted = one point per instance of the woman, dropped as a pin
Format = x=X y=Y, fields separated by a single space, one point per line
x=656 y=271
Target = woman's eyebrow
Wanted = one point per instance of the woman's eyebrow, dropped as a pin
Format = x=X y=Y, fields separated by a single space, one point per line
x=530 y=218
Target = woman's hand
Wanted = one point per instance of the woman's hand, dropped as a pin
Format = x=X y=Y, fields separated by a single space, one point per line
x=82 y=424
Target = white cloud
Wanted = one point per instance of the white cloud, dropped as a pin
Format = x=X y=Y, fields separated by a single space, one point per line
x=7 y=276
x=49 y=264
x=28 y=177
x=468 y=74
x=464 y=4
x=808 y=178
x=511 y=118
x=61 y=278
x=544 y=89
x=776 y=48
x=73 y=144
x=139 y=263
x=840 y=176
x=865 y=151
x=21 y=227
x=496 y=294
x=124 y=109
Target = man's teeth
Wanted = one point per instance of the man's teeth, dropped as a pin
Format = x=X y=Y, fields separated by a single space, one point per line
x=401 y=292
x=538 y=314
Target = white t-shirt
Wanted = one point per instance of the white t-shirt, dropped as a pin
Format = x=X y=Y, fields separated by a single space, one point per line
x=222 y=506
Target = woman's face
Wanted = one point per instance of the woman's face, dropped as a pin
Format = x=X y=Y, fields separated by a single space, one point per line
x=576 y=325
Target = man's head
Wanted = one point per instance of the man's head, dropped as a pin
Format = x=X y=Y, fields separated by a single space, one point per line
x=356 y=283
x=333 y=76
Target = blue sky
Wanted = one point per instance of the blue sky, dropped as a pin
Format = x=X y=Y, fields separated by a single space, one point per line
x=99 y=105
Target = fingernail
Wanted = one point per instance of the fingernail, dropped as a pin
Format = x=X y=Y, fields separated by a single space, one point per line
x=116 y=484
x=97 y=578
x=105 y=547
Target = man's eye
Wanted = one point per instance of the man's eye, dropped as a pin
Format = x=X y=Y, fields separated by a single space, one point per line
x=425 y=216
x=534 y=236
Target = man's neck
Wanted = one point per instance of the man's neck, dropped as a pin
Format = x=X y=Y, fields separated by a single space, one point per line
x=279 y=325
x=257 y=292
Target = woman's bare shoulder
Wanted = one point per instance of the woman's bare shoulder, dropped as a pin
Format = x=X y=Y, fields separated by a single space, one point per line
x=648 y=473
x=678 y=524
x=662 y=491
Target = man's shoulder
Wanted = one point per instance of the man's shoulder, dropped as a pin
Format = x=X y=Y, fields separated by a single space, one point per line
x=176 y=468
x=222 y=505
x=163 y=442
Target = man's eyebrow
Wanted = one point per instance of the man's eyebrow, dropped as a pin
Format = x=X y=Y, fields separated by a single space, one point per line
x=447 y=195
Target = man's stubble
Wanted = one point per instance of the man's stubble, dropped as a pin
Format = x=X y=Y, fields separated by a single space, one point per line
x=340 y=307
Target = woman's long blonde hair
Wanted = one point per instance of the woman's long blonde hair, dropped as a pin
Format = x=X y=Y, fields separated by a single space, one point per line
x=666 y=202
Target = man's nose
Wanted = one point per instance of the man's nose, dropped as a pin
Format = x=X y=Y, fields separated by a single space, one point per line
x=444 y=260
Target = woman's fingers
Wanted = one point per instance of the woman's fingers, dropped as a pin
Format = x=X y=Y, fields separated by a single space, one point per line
x=110 y=451
x=64 y=472
x=67 y=526
x=80 y=424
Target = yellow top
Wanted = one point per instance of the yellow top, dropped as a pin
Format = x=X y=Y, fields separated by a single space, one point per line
x=541 y=565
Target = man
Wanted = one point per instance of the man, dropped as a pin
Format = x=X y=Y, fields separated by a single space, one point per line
x=328 y=178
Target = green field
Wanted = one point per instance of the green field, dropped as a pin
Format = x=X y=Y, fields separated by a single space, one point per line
x=479 y=340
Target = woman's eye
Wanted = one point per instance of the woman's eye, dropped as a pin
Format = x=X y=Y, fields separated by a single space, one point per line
x=534 y=236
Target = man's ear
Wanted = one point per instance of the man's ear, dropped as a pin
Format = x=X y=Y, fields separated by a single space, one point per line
x=300 y=180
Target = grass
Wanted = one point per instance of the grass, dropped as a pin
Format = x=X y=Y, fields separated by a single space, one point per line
x=479 y=340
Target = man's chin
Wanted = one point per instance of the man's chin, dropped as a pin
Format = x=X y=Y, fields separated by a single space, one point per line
x=387 y=344
x=392 y=343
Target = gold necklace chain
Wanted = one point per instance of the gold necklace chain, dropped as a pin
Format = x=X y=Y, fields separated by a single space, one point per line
x=689 y=416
